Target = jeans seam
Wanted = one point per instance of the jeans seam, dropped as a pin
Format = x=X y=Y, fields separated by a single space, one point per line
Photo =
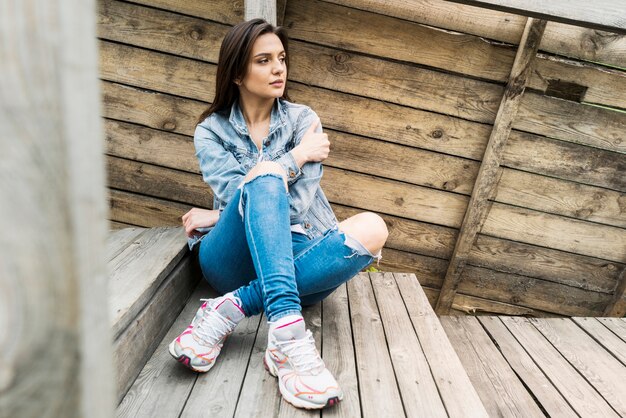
x=302 y=254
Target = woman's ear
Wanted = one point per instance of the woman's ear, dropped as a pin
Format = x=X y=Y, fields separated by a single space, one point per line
x=238 y=82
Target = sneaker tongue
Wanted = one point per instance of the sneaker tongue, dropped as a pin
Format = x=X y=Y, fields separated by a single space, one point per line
x=291 y=327
x=229 y=308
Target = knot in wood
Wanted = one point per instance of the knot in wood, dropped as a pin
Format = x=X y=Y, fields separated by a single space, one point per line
x=197 y=34
x=169 y=125
x=437 y=133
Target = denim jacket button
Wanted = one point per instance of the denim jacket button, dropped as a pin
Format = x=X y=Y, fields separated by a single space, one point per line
x=292 y=174
x=307 y=225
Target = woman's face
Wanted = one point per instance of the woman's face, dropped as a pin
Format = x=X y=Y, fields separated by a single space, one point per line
x=267 y=72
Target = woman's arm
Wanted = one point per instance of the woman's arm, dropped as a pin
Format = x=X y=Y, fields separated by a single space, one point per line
x=220 y=169
x=312 y=148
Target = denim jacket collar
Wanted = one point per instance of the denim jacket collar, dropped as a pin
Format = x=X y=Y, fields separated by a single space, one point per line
x=278 y=117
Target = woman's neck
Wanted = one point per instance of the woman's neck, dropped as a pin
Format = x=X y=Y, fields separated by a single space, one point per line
x=256 y=111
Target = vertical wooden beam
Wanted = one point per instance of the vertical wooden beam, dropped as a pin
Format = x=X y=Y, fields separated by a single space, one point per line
x=617 y=305
x=489 y=171
x=265 y=9
x=55 y=357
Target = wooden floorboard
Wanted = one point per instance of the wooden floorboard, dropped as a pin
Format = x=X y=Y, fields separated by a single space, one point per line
x=603 y=371
x=616 y=325
x=501 y=391
x=118 y=240
x=380 y=338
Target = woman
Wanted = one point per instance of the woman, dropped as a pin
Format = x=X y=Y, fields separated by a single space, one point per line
x=272 y=243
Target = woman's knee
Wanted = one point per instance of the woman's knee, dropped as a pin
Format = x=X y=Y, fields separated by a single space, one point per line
x=267 y=167
x=368 y=228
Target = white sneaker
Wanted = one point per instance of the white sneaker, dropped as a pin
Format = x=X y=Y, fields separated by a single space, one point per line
x=200 y=344
x=291 y=355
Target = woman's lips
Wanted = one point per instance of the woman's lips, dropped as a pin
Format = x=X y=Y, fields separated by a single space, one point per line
x=277 y=83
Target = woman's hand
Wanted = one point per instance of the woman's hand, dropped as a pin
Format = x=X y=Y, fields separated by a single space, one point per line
x=313 y=147
x=198 y=218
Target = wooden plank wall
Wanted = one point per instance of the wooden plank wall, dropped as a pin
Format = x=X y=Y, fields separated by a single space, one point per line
x=407 y=92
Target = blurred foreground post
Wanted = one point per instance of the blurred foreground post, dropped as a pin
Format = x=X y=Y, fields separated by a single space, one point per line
x=55 y=349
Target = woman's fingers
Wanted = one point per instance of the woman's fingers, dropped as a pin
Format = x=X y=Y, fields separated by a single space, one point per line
x=313 y=126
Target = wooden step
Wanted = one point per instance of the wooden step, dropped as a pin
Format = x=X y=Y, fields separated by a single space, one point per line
x=151 y=275
x=378 y=335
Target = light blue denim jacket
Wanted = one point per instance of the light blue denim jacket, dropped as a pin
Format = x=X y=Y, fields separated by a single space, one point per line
x=226 y=153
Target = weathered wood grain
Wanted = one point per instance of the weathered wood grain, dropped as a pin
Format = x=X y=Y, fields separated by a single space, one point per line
x=533 y=293
x=617 y=305
x=264 y=9
x=215 y=393
x=499 y=388
x=559 y=38
x=117 y=241
x=575 y=389
x=616 y=325
x=420 y=396
x=54 y=331
x=338 y=352
x=611 y=342
x=603 y=371
x=489 y=173
x=138 y=271
x=456 y=391
x=259 y=394
x=136 y=343
x=544 y=263
x=163 y=385
x=605 y=15
x=378 y=388
x=528 y=371
x=145 y=211
x=580 y=237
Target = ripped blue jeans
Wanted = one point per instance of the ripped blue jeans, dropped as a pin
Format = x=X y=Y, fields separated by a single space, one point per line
x=270 y=267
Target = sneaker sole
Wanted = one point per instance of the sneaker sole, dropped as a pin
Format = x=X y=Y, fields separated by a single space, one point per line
x=289 y=398
x=186 y=361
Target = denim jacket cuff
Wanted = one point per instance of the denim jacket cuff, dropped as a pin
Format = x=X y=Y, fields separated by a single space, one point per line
x=291 y=167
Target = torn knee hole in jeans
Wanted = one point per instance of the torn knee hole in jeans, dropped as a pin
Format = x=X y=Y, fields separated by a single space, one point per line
x=244 y=182
x=359 y=249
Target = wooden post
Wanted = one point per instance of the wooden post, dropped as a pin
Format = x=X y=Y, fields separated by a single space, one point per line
x=488 y=173
x=55 y=357
x=617 y=305
x=265 y=9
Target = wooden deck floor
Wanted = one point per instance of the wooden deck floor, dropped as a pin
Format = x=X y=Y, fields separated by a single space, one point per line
x=393 y=357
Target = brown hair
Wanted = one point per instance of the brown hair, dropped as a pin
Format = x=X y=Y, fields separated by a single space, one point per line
x=233 y=61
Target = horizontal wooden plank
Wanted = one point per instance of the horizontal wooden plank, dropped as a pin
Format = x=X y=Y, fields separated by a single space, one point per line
x=397 y=124
x=347 y=72
x=138 y=271
x=559 y=38
x=616 y=325
x=560 y=197
x=159 y=182
x=144 y=210
x=602 y=128
x=580 y=237
x=533 y=293
x=605 y=15
x=544 y=263
x=565 y=160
